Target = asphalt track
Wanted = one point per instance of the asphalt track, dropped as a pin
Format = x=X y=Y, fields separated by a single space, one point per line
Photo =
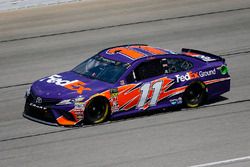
x=42 y=41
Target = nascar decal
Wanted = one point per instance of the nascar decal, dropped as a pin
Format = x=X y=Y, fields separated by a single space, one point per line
x=74 y=85
x=193 y=75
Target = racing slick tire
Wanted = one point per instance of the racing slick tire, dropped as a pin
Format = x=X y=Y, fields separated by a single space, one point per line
x=97 y=111
x=195 y=94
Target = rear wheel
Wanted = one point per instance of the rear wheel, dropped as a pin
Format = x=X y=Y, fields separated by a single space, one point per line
x=194 y=95
x=97 y=111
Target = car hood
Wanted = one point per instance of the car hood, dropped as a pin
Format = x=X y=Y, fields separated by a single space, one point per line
x=68 y=85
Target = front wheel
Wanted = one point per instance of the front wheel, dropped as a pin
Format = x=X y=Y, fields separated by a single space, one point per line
x=194 y=95
x=97 y=111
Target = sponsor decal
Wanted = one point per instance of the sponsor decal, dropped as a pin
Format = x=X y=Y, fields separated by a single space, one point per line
x=176 y=101
x=36 y=106
x=193 y=75
x=114 y=92
x=79 y=105
x=114 y=100
x=207 y=73
x=74 y=85
x=188 y=76
x=78 y=110
x=202 y=57
x=115 y=105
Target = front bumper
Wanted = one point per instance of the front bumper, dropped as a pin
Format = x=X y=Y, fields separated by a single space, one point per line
x=49 y=113
x=39 y=120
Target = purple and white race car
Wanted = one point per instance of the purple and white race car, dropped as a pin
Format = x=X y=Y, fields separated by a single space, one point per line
x=125 y=80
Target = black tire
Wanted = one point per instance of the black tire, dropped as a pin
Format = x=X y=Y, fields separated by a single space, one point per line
x=97 y=111
x=194 y=95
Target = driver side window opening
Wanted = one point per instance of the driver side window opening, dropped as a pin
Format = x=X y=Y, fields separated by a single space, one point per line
x=146 y=70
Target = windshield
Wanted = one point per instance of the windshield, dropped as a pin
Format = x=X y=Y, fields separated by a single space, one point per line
x=101 y=68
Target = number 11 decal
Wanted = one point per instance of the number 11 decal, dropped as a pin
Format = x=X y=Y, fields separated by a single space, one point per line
x=145 y=89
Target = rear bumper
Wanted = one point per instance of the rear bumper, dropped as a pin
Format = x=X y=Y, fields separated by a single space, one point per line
x=218 y=87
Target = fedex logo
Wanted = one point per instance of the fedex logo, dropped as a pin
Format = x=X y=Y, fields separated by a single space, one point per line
x=193 y=75
x=187 y=76
x=57 y=79
x=74 y=85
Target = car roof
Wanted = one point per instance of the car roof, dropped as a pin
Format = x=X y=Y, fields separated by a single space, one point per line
x=133 y=52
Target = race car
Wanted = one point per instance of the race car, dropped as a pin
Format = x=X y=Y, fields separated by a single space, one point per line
x=125 y=80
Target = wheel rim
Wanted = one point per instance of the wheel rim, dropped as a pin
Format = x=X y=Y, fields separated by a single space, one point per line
x=97 y=111
x=194 y=95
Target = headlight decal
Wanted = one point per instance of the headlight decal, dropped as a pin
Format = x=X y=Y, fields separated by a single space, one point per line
x=65 y=102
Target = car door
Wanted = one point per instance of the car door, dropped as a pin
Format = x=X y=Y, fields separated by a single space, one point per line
x=142 y=86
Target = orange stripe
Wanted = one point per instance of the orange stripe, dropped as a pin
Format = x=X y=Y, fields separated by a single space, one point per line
x=61 y=120
x=126 y=52
x=152 y=50
x=216 y=80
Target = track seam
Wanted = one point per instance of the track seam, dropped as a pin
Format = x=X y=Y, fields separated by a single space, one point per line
x=17 y=85
x=125 y=24
x=74 y=128
x=235 y=53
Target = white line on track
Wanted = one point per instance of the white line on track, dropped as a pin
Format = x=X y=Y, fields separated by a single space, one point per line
x=223 y=162
x=6 y=5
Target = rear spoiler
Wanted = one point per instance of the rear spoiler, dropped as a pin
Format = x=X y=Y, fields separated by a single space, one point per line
x=201 y=55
